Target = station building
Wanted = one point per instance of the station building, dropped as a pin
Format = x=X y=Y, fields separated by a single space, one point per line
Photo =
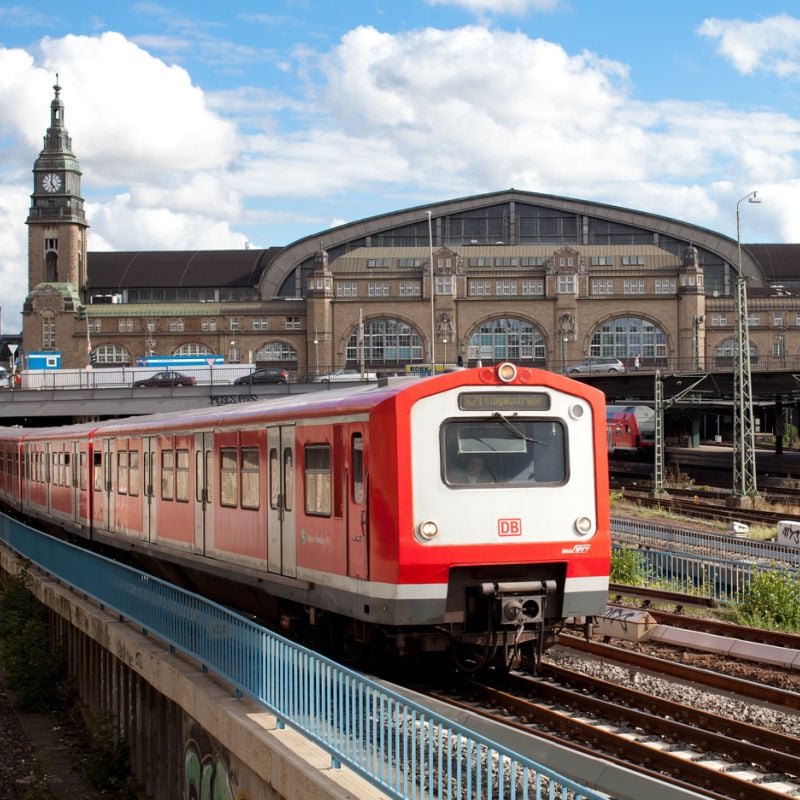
x=510 y=275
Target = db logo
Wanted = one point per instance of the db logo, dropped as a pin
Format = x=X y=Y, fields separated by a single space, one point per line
x=509 y=527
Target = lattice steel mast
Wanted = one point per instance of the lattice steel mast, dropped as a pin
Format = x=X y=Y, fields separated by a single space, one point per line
x=744 y=460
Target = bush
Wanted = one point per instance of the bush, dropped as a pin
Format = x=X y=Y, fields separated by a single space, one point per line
x=628 y=566
x=33 y=665
x=771 y=601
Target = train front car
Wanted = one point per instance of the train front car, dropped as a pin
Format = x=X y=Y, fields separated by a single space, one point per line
x=505 y=533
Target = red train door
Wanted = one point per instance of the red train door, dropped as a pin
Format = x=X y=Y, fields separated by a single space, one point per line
x=203 y=486
x=357 y=562
x=281 y=542
x=151 y=483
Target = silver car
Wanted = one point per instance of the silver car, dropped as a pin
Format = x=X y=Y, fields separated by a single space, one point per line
x=596 y=365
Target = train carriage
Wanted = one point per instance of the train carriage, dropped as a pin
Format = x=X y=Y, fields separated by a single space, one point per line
x=357 y=514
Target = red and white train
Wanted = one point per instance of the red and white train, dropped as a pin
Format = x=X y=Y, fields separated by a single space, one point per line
x=353 y=514
x=631 y=431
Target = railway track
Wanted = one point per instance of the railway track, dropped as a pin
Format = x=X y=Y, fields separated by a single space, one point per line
x=696 y=749
x=787 y=701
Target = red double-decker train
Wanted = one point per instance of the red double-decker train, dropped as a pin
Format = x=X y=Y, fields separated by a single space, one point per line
x=465 y=513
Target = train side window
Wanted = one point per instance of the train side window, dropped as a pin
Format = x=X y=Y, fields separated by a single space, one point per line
x=209 y=476
x=167 y=475
x=250 y=477
x=274 y=479
x=357 y=459
x=133 y=473
x=228 y=477
x=288 y=478
x=122 y=472
x=98 y=471
x=182 y=476
x=317 y=477
x=83 y=478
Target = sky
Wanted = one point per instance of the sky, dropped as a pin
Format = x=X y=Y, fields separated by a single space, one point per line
x=221 y=125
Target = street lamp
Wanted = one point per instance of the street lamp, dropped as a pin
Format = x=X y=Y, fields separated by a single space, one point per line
x=316 y=351
x=444 y=342
x=744 y=462
x=431 y=349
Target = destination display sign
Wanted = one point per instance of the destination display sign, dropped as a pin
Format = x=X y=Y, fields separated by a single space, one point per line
x=504 y=401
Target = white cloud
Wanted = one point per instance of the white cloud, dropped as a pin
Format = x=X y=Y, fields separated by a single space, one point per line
x=127 y=226
x=382 y=121
x=772 y=45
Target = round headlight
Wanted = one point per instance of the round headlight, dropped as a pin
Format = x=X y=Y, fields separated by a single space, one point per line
x=583 y=525
x=428 y=529
x=576 y=410
x=506 y=372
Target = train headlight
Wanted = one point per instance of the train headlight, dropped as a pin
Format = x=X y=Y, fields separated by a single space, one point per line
x=576 y=411
x=583 y=526
x=428 y=529
x=506 y=372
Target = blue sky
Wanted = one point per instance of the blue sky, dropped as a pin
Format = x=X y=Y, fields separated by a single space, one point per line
x=203 y=125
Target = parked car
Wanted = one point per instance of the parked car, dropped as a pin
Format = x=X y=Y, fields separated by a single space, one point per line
x=599 y=364
x=345 y=375
x=166 y=378
x=266 y=375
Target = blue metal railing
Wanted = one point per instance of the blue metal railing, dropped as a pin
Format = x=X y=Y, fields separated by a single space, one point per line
x=403 y=748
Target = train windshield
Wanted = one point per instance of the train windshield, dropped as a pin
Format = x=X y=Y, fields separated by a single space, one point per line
x=503 y=450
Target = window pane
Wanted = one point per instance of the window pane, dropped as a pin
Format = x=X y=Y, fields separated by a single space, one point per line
x=318 y=479
x=229 y=477
x=250 y=477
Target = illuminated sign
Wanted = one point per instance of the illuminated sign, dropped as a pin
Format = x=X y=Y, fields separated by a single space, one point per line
x=504 y=401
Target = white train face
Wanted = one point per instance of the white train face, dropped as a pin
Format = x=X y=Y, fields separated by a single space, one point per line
x=493 y=464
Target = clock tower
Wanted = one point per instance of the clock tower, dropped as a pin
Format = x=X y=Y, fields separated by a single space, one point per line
x=56 y=241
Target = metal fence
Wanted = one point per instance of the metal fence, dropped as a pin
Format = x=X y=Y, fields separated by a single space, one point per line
x=697 y=562
x=401 y=747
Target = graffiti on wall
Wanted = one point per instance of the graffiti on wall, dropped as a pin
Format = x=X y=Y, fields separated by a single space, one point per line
x=206 y=774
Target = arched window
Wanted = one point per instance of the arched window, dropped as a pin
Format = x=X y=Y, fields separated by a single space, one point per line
x=507 y=340
x=276 y=351
x=111 y=354
x=625 y=337
x=386 y=341
x=726 y=350
x=193 y=349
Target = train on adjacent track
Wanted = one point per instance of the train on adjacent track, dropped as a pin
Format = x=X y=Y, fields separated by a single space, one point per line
x=355 y=517
x=631 y=431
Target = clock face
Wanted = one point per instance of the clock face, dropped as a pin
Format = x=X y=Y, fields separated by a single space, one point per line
x=51 y=182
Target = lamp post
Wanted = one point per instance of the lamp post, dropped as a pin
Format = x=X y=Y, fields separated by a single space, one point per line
x=444 y=342
x=316 y=351
x=431 y=349
x=744 y=466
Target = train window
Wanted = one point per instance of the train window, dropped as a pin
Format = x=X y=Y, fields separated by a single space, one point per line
x=98 y=471
x=182 y=476
x=288 y=478
x=167 y=475
x=83 y=478
x=357 y=459
x=228 y=477
x=122 y=472
x=133 y=473
x=274 y=479
x=502 y=451
x=318 y=479
x=209 y=476
x=250 y=477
